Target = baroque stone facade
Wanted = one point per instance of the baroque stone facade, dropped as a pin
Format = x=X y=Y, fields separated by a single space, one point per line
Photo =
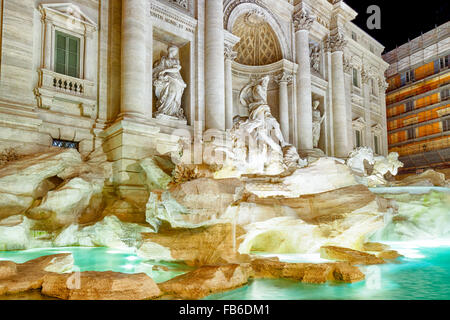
x=81 y=72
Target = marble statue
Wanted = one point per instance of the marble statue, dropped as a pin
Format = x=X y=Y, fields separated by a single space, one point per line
x=317 y=123
x=361 y=158
x=315 y=58
x=169 y=86
x=373 y=171
x=257 y=143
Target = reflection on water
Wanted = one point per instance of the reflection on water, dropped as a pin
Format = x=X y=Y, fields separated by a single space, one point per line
x=424 y=273
x=424 y=276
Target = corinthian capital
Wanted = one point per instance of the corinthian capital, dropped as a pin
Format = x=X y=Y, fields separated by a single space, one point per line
x=284 y=77
x=335 y=42
x=229 y=53
x=303 y=21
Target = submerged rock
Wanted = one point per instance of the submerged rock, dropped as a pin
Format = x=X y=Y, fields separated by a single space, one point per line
x=92 y=285
x=352 y=256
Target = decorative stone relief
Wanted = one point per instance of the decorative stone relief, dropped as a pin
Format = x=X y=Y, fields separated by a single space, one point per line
x=365 y=76
x=335 y=42
x=347 y=65
x=284 y=77
x=169 y=86
x=229 y=53
x=303 y=21
x=382 y=84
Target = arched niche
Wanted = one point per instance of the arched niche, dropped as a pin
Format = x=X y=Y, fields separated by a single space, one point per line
x=235 y=12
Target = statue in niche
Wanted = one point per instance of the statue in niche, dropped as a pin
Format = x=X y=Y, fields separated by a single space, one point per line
x=258 y=145
x=315 y=58
x=169 y=86
x=317 y=123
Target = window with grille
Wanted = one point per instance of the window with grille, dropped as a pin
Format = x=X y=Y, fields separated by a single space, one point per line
x=67 y=55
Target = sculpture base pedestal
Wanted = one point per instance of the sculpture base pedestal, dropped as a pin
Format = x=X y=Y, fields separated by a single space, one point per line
x=170 y=119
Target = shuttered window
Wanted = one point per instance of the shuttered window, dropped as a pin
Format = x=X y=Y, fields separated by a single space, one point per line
x=67 y=54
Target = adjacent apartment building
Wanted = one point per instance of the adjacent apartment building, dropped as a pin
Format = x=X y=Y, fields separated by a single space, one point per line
x=418 y=100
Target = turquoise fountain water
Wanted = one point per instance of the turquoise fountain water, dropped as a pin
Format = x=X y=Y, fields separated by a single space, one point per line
x=423 y=273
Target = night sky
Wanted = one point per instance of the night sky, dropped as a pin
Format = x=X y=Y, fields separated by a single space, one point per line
x=400 y=23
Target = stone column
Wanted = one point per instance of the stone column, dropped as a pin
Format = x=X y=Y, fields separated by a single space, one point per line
x=302 y=24
x=336 y=44
x=47 y=63
x=230 y=55
x=214 y=66
x=283 y=81
x=134 y=56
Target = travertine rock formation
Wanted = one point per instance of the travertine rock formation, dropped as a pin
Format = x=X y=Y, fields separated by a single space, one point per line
x=207 y=280
x=352 y=256
x=93 y=285
x=30 y=275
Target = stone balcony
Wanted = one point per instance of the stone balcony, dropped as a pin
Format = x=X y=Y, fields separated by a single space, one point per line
x=65 y=94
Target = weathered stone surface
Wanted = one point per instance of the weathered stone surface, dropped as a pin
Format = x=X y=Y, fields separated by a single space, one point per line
x=427 y=178
x=156 y=176
x=306 y=272
x=7 y=269
x=331 y=203
x=207 y=280
x=389 y=255
x=197 y=247
x=352 y=256
x=110 y=232
x=92 y=285
x=375 y=246
x=30 y=275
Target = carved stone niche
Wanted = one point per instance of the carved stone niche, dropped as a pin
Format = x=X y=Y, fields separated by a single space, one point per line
x=75 y=95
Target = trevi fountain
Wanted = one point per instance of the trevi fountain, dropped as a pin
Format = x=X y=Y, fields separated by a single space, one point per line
x=267 y=205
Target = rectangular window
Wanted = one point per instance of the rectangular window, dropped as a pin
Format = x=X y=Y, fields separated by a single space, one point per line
x=373 y=86
x=403 y=79
x=445 y=94
x=355 y=78
x=67 y=55
x=409 y=76
x=358 y=138
x=376 y=145
x=409 y=106
x=445 y=125
x=411 y=133
x=64 y=144
x=443 y=62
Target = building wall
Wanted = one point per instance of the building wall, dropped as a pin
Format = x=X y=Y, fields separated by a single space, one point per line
x=38 y=106
x=418 y=106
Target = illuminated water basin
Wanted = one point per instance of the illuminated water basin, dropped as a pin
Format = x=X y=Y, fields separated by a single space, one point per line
x=423 y=273
x=103 y=259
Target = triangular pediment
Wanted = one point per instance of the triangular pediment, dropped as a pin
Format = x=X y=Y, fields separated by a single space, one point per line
x=377 y=128
x=69 y=10
x=359 y=122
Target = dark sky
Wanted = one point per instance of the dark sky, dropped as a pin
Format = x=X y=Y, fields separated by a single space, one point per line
x=401 y=19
